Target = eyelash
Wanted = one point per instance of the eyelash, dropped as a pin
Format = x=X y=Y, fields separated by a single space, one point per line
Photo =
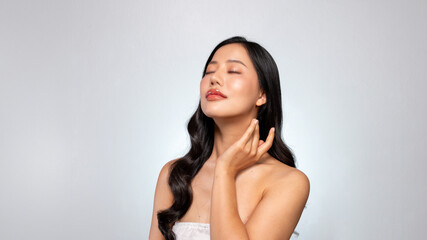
x=228 y=72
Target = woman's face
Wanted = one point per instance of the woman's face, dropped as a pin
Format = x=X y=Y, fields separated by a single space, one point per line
x=232 y=73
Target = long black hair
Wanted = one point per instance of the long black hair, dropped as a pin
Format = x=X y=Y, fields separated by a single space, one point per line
x=201 y=131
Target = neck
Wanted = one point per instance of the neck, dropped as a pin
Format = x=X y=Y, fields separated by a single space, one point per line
x=226 y=133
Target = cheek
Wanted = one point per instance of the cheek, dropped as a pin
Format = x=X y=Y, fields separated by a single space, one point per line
x=244 y=87
x=203 y=86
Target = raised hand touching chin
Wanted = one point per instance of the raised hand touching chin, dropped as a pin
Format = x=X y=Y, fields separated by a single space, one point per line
x=246 y=151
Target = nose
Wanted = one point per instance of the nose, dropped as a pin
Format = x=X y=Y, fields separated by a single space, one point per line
x=215 y=78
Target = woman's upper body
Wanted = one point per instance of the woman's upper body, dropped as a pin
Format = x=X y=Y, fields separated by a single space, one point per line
x=287 y=189
x=241 y=190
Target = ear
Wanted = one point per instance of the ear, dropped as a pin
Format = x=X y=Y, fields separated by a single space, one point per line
x=262 y=99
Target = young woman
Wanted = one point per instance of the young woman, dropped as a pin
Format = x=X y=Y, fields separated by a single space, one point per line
x=238 y=180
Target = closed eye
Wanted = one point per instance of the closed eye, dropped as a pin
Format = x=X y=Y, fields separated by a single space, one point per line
x=228 y=72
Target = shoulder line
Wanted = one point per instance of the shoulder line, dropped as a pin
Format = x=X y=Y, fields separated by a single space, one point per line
x=165 y=171
x=294 y=181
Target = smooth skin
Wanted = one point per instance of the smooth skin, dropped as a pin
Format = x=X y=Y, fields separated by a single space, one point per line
x=241 y=190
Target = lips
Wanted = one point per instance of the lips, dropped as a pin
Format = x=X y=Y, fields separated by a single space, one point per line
x=214 y=91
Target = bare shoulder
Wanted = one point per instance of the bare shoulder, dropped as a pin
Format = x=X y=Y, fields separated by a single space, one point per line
x=283 y=199
x=283 y=177
x=165 y=171
x=163 y=199
x=163 y=193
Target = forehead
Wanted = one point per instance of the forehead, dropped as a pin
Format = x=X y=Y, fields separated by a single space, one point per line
x=234 y=51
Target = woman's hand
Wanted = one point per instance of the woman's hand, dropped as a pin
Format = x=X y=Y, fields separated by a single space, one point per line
x=246 y=151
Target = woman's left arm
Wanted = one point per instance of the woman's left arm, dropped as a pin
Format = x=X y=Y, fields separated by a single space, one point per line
x=280 y=208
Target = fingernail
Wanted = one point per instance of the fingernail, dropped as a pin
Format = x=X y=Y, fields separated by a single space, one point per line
x=255 y=121
x=274 y=129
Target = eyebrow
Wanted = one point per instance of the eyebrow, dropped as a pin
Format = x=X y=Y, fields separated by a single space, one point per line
x=230 y=60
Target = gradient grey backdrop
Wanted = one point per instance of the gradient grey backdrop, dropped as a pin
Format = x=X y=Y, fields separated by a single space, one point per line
x=95 y=97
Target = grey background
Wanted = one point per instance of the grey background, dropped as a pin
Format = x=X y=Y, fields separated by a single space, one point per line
x=95 y=97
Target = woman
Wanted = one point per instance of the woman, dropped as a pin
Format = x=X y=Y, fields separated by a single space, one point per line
x=238 y=180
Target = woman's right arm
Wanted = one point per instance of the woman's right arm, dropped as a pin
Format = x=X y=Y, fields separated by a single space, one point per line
x=163 y=199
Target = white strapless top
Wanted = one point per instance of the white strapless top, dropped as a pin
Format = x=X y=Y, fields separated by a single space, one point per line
x=199 y=231
x=191 y=231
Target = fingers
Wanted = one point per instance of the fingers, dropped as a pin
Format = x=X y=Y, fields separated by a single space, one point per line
x=268 y=142
x=255 y=139
x=244 y=139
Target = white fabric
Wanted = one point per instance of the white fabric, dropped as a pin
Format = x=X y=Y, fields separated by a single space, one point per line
x=191 y=231
x=199 y=231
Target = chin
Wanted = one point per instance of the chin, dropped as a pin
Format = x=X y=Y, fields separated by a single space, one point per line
x=220 y=113
x=215 y=114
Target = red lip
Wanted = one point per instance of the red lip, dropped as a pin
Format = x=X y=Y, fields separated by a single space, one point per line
x=214 y=91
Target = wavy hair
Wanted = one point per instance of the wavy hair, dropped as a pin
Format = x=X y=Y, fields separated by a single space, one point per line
x=201 y=131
